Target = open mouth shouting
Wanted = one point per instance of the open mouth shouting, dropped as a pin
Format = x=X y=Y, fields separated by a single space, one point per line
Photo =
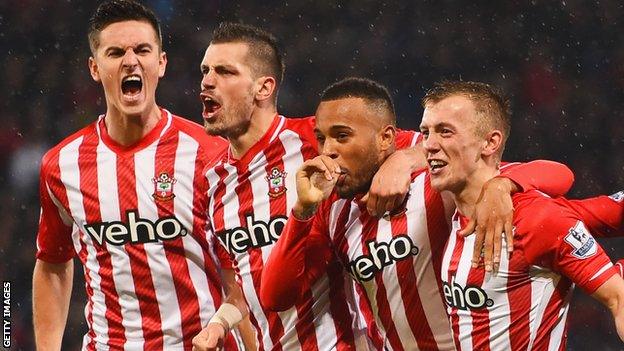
x=131 y=87
x=211 y=106
x=436 y=166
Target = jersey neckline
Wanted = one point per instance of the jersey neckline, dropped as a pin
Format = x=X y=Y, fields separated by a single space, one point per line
x=260 y=145
x=148 y=139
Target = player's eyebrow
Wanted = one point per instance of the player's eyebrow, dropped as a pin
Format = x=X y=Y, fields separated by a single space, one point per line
x=114 y=48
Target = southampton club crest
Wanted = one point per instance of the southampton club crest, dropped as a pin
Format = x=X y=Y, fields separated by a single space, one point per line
x=277 y=182
x=163 y=187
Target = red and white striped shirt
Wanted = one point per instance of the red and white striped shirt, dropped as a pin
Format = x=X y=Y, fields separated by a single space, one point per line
x=249 y=201
x=391 y=259
x=524 y=306
x=135 y=217
x=395 y=261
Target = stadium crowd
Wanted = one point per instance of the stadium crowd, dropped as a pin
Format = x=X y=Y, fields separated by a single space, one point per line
x=561 y=63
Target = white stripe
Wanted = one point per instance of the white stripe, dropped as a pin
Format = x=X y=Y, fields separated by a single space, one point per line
x=162 y=277
x=543 y=284
x=231 y=220
x=601 y=270
x=326 y=334
x=426 y=281
x=120 y=262
x=292 y=161
x=167 y=125
x=499 y=312
x=186 y=154
x=282 y=120
x=393 y=291
x=70 y=176
x=461 y=278
x=262 y=212
x=556 y=335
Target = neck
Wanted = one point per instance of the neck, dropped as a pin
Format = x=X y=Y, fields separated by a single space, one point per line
x=259 y=124
x=127 y=130
x=466 y=197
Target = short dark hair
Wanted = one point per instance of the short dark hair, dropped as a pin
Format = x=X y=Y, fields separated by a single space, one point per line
x=263 y=46
x=491 y=105
x=114 y=11
x=373 y=92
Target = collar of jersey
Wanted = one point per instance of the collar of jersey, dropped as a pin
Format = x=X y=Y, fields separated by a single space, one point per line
x=260 y=145
x=147 y=140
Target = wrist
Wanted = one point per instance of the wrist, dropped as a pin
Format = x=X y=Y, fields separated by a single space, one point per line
x=228 y=316
x=303 y=212
x=504 y=184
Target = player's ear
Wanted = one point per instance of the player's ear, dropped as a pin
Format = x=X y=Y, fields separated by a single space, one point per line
x=266 y=87
x=492 y=143
x=387 y=136
x=162 y=64
x=93 y=69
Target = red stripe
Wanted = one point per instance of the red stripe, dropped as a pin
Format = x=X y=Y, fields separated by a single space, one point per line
x=336 y=275
x=87 y=164
x=245 y=197
x=277 y=207
x=174 y=249
x=480 y=317
x=200 y=223
x=437 y=228
x=452 y=271
x=519 y=297
x=369 y=228
x=141 y=274
x=408 y=283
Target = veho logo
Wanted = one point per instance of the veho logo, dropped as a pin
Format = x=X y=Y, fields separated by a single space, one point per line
x=136 y=230
x=468 y=297
x=254 y=234
x=381 y=254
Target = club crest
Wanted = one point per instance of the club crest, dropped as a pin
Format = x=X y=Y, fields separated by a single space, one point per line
x=277 y=182
x=163 y=187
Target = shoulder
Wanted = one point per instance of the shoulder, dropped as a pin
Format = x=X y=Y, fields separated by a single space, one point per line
x=536 y=212
x=303 y=126
x=215 y=145
x=53 y=153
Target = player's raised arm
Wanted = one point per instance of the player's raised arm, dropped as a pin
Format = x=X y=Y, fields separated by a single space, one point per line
x=603 y=215
x=298 y=256
x=391 y=182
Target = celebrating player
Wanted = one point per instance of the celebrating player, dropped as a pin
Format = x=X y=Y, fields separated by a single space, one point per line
x=124 y=195
x=524 y=305
x=394 y=260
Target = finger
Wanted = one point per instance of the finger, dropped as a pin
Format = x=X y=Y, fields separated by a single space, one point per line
x=478 y=247
x=469 y=229
x=509 y=236
x=381 y=206
x=391 y=206
x=371 y=204
x=364 y=199
x=488 y=246
x=331 y=165
x=497 y=245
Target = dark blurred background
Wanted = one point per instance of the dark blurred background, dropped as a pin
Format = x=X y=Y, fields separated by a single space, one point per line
x=561 y=63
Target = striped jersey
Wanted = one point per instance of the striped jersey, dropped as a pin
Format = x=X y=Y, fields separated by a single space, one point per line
x=524 y=305
x=393 y=260
x=250 y=199
x=135 y=217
